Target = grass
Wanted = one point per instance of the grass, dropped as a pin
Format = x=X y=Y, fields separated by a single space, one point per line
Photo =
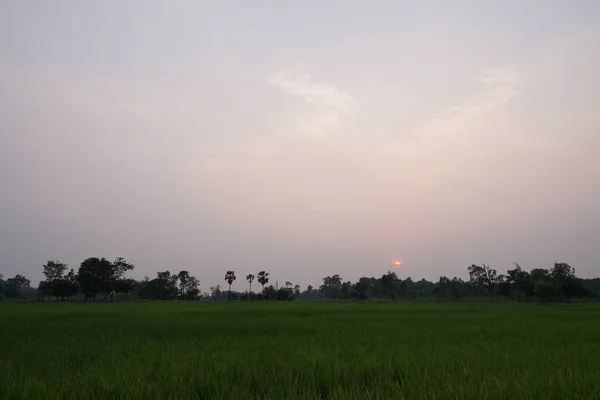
x=299 y=351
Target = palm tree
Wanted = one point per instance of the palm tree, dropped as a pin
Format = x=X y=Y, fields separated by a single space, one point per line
x=184 y=277
x=263 y=279
x=250 y=278
x=229 y=278
x=288 y=284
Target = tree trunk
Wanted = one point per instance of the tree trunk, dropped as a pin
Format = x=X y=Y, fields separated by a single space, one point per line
x=230 y=292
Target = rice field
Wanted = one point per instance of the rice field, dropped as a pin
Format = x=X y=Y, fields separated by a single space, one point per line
x=196 y=350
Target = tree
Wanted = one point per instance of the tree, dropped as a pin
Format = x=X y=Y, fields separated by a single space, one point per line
x=545 y=289
x=192 y=290
x=332 y=286
x=565 y=281
x=215 y=291
x=361 y=288
x=183 y=277
x=94 y=276
x=269 y=293
x=485 y=277
x=119 y=267
x=15 y=286
x=388 y=281
x=64 y=287
x=263 y=279
x=250 y=278
x=167 y=285
x=54 y=270
x=229 y=278
x=98 y=275
x=519 y=281
x=124 y=286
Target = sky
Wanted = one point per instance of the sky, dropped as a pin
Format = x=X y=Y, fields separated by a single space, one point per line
x=303 y=138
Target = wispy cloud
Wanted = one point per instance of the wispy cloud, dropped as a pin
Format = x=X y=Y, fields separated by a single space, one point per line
x=328 y=102
x=496 y=87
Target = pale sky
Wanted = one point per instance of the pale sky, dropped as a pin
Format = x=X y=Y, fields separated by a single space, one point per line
x=306 y=138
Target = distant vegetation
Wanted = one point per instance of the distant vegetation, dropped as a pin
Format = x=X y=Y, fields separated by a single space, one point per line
x=101 y=279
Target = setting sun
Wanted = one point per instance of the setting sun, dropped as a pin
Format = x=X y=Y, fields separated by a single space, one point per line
x=397 y=263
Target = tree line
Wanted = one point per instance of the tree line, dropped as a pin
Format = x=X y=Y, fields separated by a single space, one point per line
x=101 y=279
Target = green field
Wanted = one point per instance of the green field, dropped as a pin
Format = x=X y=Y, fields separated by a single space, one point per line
x=299 y=350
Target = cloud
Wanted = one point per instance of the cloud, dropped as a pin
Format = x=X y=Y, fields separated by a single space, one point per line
x=328 y=104
x=496 y=87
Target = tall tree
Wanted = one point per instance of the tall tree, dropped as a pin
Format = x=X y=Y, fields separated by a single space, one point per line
x=229 y=278
x=566 y=283
x=215 y=292
x=263 y=279
x=389 y=281
x=54 y=270
x=192 y=288
x=485 y=277
x=94 y=276
x=183 y=277
x=332 y=286
x=519 y=281
x=15 y=286
x=250 y=278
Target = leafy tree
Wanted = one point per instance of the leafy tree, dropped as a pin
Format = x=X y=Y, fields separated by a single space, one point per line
x=388 y=281
x=332 y=286
x=166 y=284
x=44 y=289
x=519 y=282
x=263 y=279
x=54 y=270
x=250 y=278
x=229 y=278
x=65 y=287
x=192 y=291
x=14 y=286
x=269 y=293
x=361 y=288
x=545 y=289
x=215 y=291
x=124 y=286
x=485 y=277
x=566 y=283
x=94 y=276
x=539 y=274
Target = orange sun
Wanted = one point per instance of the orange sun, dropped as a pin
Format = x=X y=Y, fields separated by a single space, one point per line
x=397 y=263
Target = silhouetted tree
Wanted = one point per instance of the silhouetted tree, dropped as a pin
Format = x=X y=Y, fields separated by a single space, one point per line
x=332 y=286
x=14 y=286
x=485 y=277
x=250 y=278
x=124 y=286
x=263 y=279
x=230 y=278
x=215 y=291
x=183 y=277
